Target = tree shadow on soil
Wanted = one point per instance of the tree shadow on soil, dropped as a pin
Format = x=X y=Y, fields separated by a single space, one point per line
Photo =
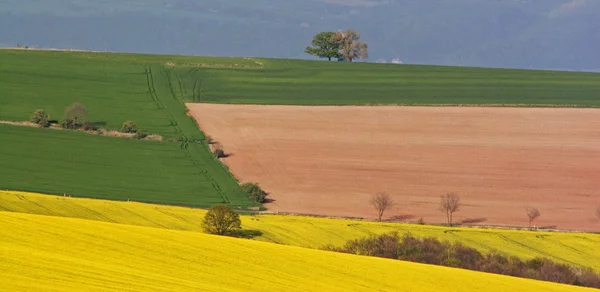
x=268 y=200
x=472 y=221
x=401 y=218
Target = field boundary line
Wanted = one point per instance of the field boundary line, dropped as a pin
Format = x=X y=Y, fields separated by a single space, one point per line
x=183 y=138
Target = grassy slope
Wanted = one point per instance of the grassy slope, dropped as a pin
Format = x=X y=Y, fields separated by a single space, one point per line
x=573 y=248
x=75 y=255
x=114 y=88
x=324 y=83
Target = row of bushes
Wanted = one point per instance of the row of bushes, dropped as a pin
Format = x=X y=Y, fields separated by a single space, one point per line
x=433 y=251
x=254 y=192
x=75 y=118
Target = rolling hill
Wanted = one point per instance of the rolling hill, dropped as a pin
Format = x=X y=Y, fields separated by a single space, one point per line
x=311 y=232
x=65 y=254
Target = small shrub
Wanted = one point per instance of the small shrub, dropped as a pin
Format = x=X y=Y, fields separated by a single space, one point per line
x=87 y=126
x=209 y=139
x=221 y=220
x=129 y=127
x=68 y=124
x=75 y=116
x=41 y=118
x=140 y=134
x=254 y=192
x=218 y=151
x=421 y=221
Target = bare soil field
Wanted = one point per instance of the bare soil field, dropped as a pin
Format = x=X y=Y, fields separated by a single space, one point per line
x=330 y=160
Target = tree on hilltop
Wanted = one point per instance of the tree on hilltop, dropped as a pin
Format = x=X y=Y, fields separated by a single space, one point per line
x=350 y=47
x=343 y=45
x=323 y=46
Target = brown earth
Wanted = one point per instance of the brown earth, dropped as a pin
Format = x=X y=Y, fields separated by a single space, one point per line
x=330 y=160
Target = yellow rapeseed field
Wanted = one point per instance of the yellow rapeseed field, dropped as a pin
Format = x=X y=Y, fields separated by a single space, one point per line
x=572 y=248
x=46 y=253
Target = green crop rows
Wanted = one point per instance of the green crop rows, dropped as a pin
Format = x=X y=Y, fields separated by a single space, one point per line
x=333 y=83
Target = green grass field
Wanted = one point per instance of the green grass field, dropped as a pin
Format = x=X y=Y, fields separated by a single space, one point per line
x=151 y=90
x=114 y=88
x=93 y=166
x=294 y=82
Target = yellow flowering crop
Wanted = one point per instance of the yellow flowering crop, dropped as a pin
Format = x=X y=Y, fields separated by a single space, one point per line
x=571 y=248
x=45 y=253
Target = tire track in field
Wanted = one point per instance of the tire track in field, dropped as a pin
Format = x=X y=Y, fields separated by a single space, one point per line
x=194 y=160
x=181 y=220
x=548 y=255
x=455 y=233
x=581 y=252
x=151 y=89
x=50 y=212
x=197 y=89
x=135 y=214
x=197 y=93
x=154 y=95
x=94 y=212
x=182 y=89
x=182 y=137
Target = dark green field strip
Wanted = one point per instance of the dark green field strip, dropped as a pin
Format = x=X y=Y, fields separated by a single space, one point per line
x=44 y=160
x=324 y=83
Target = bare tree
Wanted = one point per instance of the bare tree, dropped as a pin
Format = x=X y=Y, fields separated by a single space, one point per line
x=75 y=116
x=449 y=204
x=381 y=202
x=532 y=214
x=350 y=47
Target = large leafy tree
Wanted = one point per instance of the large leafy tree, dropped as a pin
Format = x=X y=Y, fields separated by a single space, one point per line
x=221 y=220
x=323 y=46
x=349 y=46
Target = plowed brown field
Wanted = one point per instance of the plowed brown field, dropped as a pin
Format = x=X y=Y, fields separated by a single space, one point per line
x=330 y=160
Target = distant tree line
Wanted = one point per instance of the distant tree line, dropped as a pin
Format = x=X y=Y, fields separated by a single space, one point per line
x=449 y=204
x=343 y=45
x=432 y=251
